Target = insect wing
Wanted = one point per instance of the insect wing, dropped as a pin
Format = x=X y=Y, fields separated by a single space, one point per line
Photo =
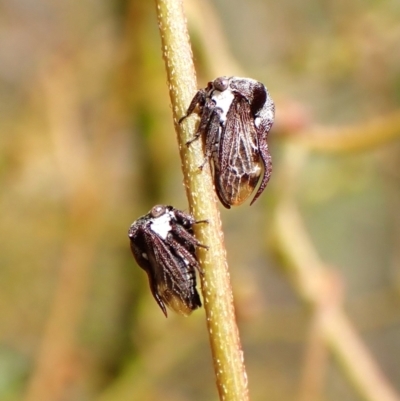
x=164 y=246
x=142 y=250
x=239 y=165
x=172 y=279
x=139 y=247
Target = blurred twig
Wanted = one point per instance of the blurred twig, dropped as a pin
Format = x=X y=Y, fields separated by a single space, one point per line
x=312 y=281
x=293 y=120
x=217 y=293
x=316 y=360
x=210 y=40
x=367 y=135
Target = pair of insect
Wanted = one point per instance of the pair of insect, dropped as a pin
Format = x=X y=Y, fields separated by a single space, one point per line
x=236 y=115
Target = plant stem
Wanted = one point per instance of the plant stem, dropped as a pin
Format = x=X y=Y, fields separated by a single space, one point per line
x=216 y=288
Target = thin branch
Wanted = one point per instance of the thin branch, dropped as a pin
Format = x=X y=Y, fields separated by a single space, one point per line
x=315 y=361
x=369 y=135
x=313 y=282
x=216 y=288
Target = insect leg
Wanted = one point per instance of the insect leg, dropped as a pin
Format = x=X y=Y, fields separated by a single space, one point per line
x=182 y=233
x=184 y=219
x=184 y=254
x=206 y=114
x=199 y=99
x=213 y=131
x=201 y=222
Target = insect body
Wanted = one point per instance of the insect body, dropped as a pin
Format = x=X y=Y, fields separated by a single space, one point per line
x=236 y=115
x=164 y=245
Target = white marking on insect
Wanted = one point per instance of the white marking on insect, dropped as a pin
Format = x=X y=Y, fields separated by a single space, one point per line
x=223 y=100
x=144 y=255
x=161 y=225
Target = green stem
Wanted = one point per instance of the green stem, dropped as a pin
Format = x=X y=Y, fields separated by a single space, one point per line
x=216 y=288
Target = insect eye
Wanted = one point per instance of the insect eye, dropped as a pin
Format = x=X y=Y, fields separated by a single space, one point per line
x=209 y=86
x=221 y=84
x=158 y=211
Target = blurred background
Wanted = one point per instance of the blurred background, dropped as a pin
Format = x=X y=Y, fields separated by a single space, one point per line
x=87 y=145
